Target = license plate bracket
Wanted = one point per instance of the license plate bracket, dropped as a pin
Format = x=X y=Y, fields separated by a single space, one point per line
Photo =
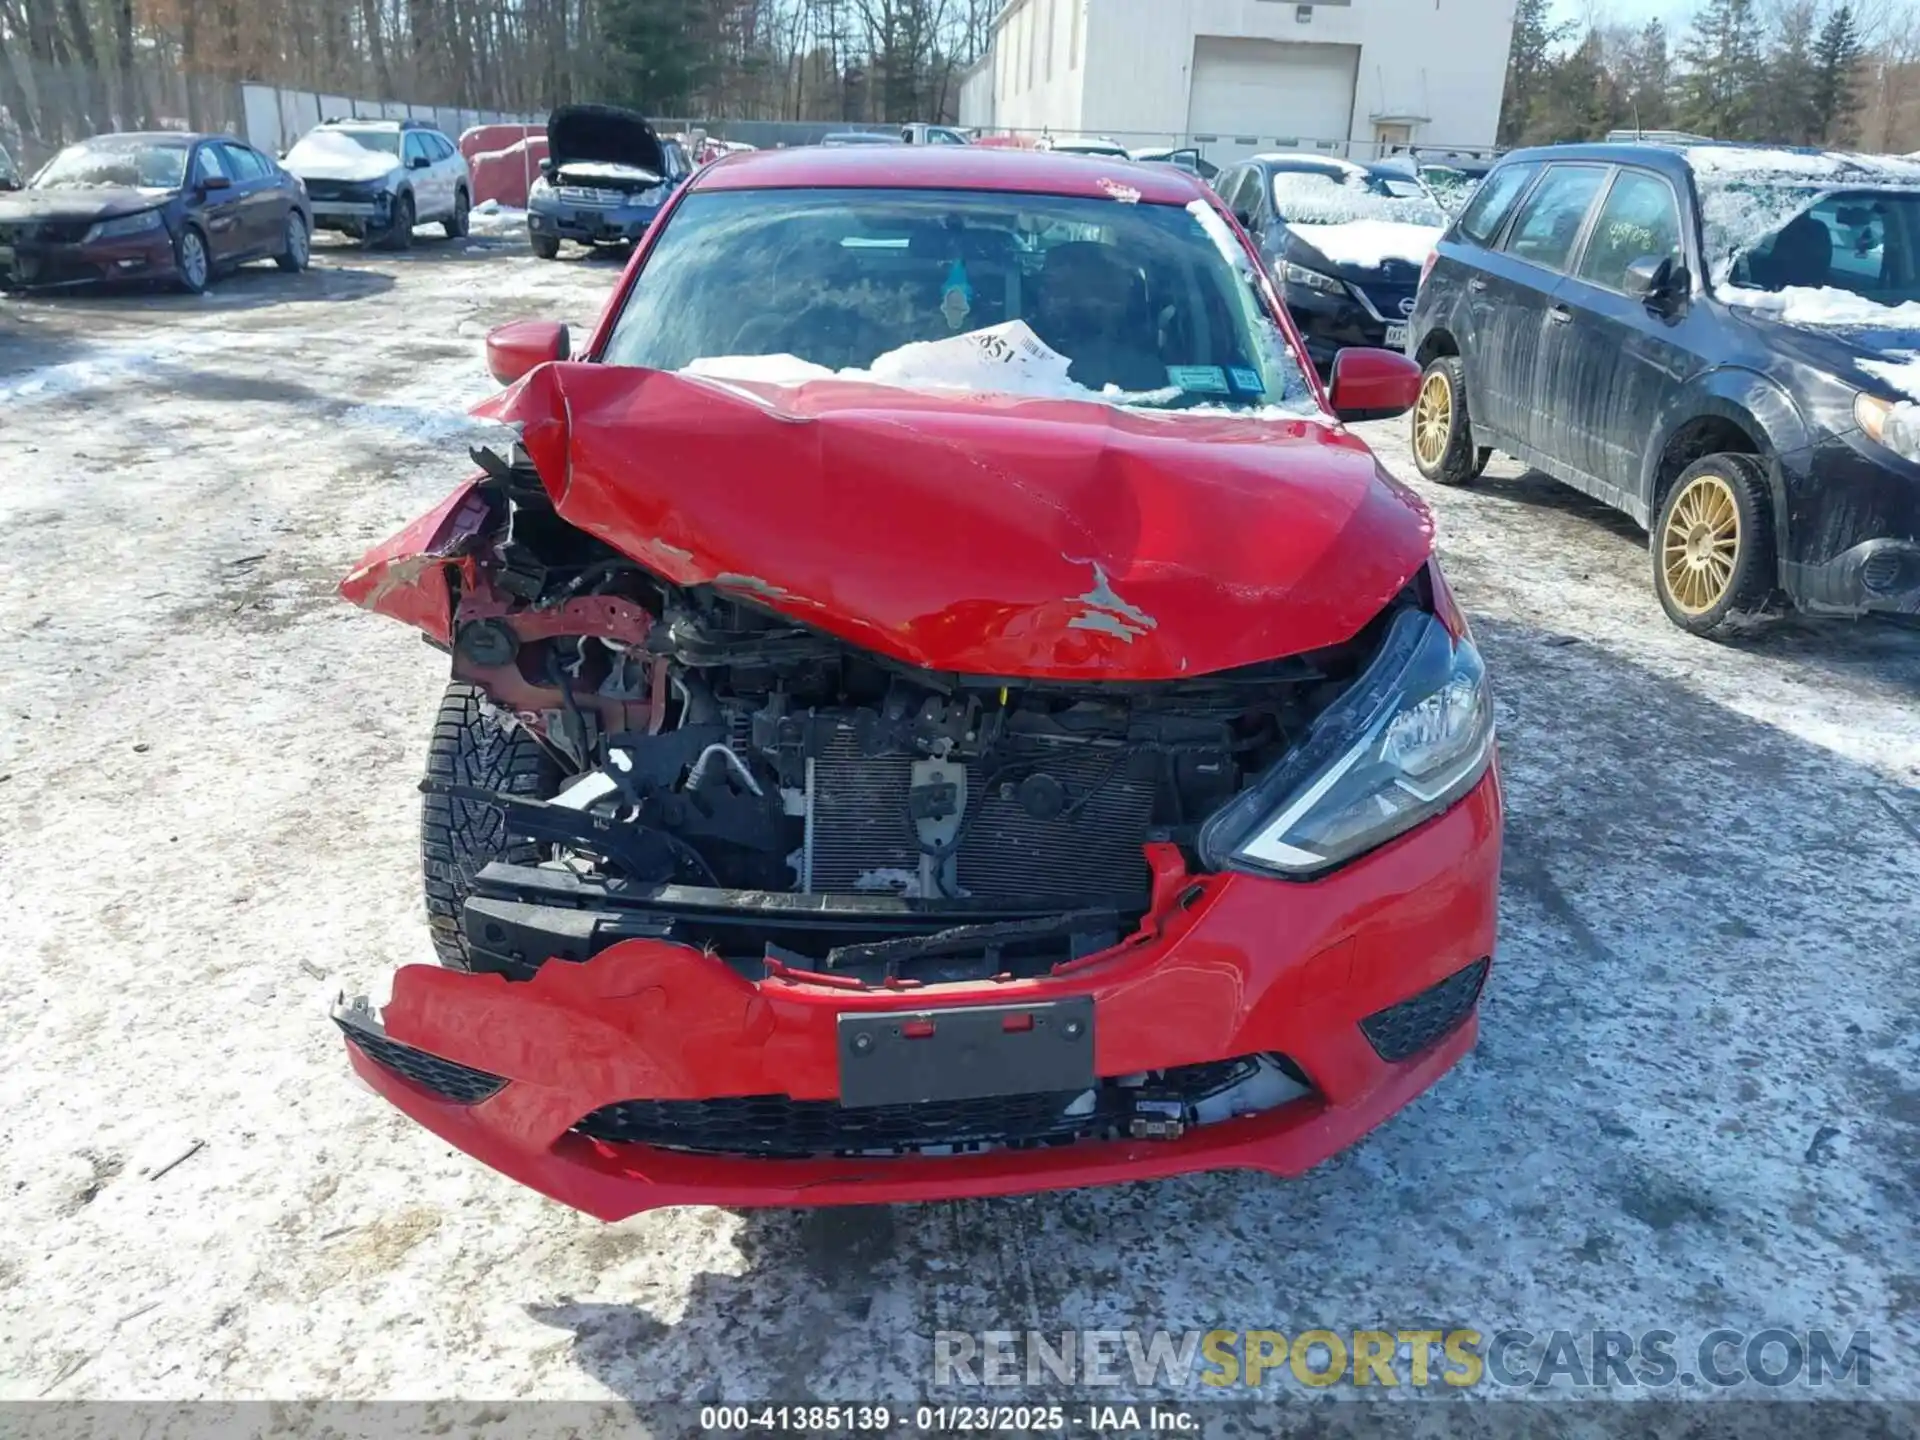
x=1396 y=337
x=971 y=1052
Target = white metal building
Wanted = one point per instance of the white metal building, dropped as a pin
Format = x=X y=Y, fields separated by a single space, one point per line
x=1237 y=77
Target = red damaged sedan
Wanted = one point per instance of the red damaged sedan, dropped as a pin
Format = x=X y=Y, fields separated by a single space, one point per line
x=941 y=706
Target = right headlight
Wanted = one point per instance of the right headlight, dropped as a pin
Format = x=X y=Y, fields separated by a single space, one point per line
x=541 y=186
x=1895 y=425
x=1411 y=736
x=1294 y=274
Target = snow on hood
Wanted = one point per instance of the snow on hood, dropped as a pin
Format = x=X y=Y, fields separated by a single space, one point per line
x=1822 y=307
x=606 y=172
x=1902 y=373
x=330 y=155
x=1369 y=244
x=605 y=133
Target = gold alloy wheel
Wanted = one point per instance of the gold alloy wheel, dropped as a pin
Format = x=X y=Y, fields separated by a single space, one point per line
x=1432 y=419
x=1701 y=544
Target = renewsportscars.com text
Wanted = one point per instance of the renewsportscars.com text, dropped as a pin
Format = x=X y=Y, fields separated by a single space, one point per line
x=1459 y=1357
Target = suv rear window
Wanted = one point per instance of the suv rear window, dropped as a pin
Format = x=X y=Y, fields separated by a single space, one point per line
x=1493 y=200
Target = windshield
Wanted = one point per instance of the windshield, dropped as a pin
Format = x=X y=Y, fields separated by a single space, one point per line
x=1864 y=242
x=1143 y=298
x=1312 y=198
x=110 y=164
x=381 y=142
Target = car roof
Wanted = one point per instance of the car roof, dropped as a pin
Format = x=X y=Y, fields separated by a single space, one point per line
x=374 y=122
x=950 y=167
x=1305 y=160
x=179 y=138
x=1676 y=157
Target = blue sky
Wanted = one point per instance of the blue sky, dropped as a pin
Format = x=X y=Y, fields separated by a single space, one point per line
x=1674 y=13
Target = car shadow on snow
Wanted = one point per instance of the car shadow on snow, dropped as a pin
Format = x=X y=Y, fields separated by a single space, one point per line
x=1692 y=1089
x=250 y=287
x=1599 y=537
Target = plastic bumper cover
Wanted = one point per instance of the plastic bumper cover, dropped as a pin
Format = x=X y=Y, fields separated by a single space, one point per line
x=1229 y=965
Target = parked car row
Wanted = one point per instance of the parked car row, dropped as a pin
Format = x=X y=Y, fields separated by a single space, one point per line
x=182 y=208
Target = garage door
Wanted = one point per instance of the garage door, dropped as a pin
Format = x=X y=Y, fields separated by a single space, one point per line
x=1255 y=95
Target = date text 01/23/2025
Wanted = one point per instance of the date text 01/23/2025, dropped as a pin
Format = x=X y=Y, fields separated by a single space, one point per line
x=961 y=1419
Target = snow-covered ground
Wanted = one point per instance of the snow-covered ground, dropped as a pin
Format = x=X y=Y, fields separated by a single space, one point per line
x=1693 y=1104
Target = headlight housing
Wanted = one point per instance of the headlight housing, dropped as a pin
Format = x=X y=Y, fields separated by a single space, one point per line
x=541 y=186
x=1294 y=274
x=1894 y=424
x=1408 y=738
x=654 y=195
x=126 y=225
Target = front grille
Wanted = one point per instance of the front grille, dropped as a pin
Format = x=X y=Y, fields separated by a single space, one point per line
x=338 y=190
x=1404 y=1030
x=45 y=232
x=591 y=195
x=777 y=1127
x=458 y=1083
x=863 y=834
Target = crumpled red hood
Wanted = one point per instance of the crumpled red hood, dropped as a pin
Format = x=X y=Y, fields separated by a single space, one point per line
x=984 y=534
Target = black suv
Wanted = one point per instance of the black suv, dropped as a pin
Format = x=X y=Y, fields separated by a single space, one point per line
x=1719 y=340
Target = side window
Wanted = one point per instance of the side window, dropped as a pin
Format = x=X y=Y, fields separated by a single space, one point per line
x=1548 y=223
x=1480 y=221
x=442 y=147
x=415 y=146
x=1639 y=218
x=211 y=163
x=244 y=164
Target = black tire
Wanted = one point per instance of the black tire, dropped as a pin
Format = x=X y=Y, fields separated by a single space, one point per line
x=473 y=745
x=1735 y=564
x=456 y=224
x=1445 y=455
x=296 y=244
x=192 y=274
x=547 y=247
x=400 y=232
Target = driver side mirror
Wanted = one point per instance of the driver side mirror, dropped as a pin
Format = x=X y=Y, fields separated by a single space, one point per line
x=215 y=182
x=1371 y=384
x=1656 y=282
x=546 y=167
x=523 y=345
x=419 y=162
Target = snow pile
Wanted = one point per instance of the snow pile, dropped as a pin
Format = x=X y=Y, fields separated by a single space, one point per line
x=490 y=217
x=608 y=173
x=1903 y=374
x=1005 y=359
x=1371 y=243
x=331 y=155
x=1823 y=306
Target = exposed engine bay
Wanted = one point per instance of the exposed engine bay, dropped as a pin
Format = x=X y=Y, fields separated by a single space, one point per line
x=708 y=741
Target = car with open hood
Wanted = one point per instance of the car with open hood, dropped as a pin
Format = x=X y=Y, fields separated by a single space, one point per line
x=959 y=714
x=606 y=176
x=1346 y=242
x=151 y=207
x=1719 y=340
x=377 y=180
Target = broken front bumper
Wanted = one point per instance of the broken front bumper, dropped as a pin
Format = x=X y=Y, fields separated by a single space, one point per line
x=1365 y=982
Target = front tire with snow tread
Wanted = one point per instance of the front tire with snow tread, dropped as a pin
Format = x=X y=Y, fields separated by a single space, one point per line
x=473 y=744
